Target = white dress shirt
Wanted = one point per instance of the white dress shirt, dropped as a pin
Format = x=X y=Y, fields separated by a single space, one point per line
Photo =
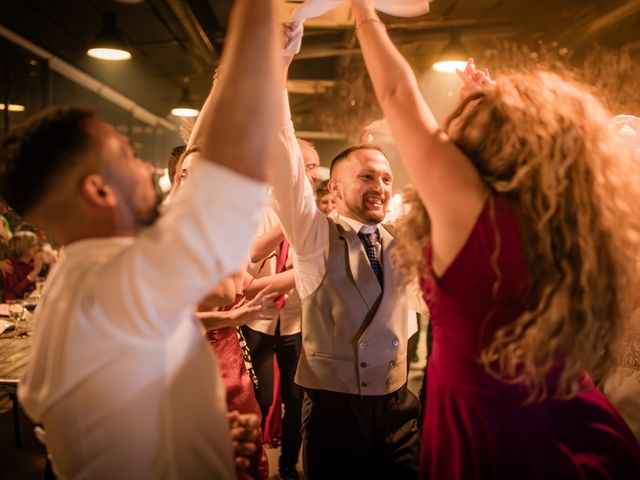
x=303 y=223
x=289 y=316
x=121 y=376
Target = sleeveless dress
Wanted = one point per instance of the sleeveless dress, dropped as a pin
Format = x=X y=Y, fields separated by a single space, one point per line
x=477 y=427
x=239 y=387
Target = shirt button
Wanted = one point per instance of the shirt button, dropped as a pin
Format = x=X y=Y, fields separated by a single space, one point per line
x=392 y=363
x=363 y=364
x=364 y=383
x=363 y=345
x=395 y=343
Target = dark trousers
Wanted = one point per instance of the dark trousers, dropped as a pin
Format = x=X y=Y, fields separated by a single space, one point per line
x=287 y=351
x=353 y=437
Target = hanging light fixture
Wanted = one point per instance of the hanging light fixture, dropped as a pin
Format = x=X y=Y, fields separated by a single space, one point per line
x=453 y=57
x=109 y=44
x=13 y=107
x=185 y=106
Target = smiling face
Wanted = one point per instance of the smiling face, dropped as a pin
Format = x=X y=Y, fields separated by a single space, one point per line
x=362 y=186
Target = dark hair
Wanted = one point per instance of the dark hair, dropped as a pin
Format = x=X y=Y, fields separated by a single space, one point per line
x=37 y=151
x=174 y=158
x=348 y=151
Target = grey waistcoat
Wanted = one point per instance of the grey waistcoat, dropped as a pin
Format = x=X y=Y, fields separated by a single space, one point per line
x=354 y=335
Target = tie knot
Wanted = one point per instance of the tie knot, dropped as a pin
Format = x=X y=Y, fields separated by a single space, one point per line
x=370 y=238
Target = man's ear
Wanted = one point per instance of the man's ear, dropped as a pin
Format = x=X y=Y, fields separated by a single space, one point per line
x=97 y=192
x=332 y=186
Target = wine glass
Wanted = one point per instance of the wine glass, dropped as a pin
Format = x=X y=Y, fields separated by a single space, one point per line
x=16 y=314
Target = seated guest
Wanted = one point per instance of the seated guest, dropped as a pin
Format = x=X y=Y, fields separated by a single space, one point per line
x=27 y=262
x=120 y=374
x=49 y=254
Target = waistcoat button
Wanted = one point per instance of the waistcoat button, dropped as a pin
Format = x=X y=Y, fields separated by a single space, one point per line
x=395 y=343
x=363 y=364
x=363 y=345
x=392 y=363
x=364 y=383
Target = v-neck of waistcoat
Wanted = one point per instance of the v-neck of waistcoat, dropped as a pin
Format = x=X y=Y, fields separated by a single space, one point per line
x=364 y=278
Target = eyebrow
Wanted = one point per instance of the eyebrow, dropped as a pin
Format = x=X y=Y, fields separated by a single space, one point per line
x=377 y=172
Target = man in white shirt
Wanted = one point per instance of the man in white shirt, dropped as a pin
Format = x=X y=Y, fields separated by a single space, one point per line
x=359 y=419
x=279 y=335
x=121 y=377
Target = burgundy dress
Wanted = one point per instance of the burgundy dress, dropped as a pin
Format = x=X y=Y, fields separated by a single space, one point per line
x=476 y=427
x=239 y=389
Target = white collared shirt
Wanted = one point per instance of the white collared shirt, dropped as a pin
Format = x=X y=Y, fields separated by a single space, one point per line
x=291 y=314
x=304 y=225
x=120 y=375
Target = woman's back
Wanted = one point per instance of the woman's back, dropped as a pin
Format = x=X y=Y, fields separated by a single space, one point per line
x=477 y=426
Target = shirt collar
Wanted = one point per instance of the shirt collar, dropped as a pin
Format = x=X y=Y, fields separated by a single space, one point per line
x=358 y=226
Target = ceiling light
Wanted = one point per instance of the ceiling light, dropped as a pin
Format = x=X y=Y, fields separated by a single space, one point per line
x=185 y=107
x=13 y=107
x=453 y=57
x=109 y=44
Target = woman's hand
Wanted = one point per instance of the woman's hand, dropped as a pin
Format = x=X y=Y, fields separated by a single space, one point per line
x=255 y=309
x=473 y=80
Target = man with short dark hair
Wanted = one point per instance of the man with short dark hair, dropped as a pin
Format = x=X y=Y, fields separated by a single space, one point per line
x=121 y=376
x=359 y=419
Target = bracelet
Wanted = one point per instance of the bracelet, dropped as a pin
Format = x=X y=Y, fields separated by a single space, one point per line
x=370 y=20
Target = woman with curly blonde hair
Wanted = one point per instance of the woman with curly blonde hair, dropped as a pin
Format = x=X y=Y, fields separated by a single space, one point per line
x=526 y=246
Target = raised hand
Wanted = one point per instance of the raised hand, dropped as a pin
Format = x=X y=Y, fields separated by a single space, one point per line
x=473 y=80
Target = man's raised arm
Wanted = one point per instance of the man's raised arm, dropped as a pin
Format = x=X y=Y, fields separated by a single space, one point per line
x=235 y=127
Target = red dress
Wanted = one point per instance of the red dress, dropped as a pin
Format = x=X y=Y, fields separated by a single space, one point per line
x=239 y=389
x=476 y=427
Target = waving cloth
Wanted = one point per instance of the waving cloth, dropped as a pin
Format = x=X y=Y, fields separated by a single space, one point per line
x=315 y=8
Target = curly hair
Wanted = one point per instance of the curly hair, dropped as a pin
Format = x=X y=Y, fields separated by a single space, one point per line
x=542 y=142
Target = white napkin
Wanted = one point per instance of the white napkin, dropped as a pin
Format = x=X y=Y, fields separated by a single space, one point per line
x=315 y=8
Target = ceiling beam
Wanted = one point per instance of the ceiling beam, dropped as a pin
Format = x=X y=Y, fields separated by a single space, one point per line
x=596 y=22
x=613 y=17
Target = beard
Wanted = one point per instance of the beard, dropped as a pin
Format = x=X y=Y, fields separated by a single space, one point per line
x=149 y=216
x=365 y=213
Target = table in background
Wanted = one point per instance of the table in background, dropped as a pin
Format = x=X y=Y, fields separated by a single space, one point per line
x=14 y=356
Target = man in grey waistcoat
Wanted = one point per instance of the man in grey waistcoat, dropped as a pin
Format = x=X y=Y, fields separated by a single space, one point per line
x=359 y=419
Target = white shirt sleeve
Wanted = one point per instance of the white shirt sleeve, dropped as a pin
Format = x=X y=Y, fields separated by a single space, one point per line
x=202 y=237
x=305 y=227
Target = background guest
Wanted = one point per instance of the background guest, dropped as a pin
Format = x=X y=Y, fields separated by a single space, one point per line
x=27 y=262
x=324 y=198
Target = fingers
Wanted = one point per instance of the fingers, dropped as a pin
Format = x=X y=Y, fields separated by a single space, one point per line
x=269 y=298
x=262 y=292
x=244 y=449
x=241 y=463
